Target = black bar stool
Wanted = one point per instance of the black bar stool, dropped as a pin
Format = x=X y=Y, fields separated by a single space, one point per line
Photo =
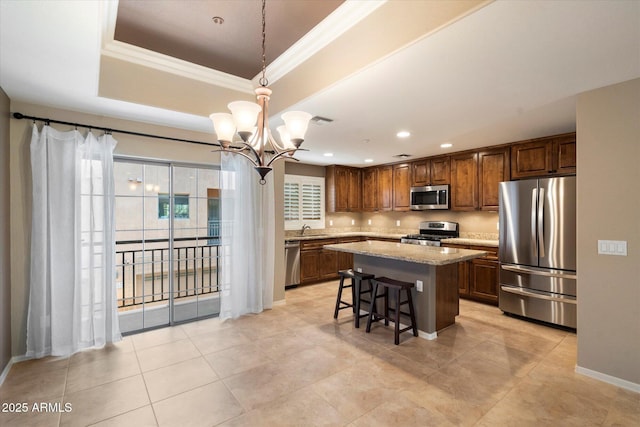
x=396 y=286
x=356 y=292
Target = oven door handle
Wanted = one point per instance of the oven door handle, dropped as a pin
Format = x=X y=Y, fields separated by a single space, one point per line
x=537 y=295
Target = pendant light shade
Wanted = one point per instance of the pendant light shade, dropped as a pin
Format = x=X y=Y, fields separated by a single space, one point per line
x=296 y=123
x=224 y=127
x=245 y=115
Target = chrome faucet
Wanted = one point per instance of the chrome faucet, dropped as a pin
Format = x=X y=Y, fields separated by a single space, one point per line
x=304 y=227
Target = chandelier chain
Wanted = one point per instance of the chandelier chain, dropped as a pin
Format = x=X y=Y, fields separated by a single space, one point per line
x=263 y=80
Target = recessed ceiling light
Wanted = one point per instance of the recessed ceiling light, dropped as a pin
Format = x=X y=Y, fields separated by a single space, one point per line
x=446 y=145
x=368 y=160
x=403 y=134
x=328 y=154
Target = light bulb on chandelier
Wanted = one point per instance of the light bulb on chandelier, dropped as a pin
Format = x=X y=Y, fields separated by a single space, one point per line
x=250 y=121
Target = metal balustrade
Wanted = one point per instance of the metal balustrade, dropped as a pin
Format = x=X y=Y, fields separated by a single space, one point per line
x=143 y=269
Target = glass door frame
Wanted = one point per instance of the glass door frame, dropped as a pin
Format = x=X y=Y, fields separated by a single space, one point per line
x=171 y=165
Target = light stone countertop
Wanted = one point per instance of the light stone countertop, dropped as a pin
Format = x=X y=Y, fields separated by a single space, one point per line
x=469 y=241
x=431 y=255
x=345 y=234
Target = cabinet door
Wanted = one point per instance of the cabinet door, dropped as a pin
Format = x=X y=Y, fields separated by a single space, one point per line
x=493 y=168
x=309 y=266
x=531 y=159
x=463 y=271
x=401 y=187
x=342 y=189
x=483 y=280
x=464 y=182
x=328 y=264
x=421 y=173
x=565 y=154
x=370 y=189
x=385 y=188
x=440 y=170
x=355 y=190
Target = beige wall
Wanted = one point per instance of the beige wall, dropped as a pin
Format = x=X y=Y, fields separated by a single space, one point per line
x=128 y=145
x=5 y=264
x=608 y=131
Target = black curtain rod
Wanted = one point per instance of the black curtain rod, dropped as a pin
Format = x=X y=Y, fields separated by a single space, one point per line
x=21 y=116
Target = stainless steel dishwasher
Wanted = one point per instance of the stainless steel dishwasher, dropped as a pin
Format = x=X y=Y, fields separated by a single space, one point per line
x=292 y=261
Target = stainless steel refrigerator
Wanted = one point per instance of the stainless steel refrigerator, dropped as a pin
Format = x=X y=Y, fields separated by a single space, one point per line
x=538 y=249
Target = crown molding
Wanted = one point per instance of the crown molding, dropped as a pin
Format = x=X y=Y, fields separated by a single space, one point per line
x=333 y=26
x=148 y=58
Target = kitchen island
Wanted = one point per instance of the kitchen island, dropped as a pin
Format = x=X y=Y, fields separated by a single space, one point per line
x=437 y=305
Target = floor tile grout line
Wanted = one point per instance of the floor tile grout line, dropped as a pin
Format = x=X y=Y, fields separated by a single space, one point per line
x=146 y=387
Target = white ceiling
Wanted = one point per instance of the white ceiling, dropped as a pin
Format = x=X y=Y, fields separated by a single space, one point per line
x=509 y=71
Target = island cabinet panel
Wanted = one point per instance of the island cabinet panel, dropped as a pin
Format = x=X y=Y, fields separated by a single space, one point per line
x=493 y=168
x=431 y=171
x=316 y=263
x=448 y=305
x=401 y=187
x=343 y=189
x=463 y=271
x=549 y=156
x=385 y=188
x=464 y=182
x=370 y=189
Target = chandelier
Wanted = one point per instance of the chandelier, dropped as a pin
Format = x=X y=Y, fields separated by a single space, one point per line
x=250 y=121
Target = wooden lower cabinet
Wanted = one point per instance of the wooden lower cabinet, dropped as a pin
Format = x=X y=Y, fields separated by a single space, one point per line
x=478 y=278
x=318 y=264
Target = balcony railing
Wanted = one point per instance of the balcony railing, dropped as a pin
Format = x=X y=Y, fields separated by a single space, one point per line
x=143 y=269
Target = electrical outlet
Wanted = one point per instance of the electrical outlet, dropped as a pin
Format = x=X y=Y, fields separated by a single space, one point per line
x=368 y=222
x=330 y=223
x=398 y=223
x=419 y=285
x=612 y=247
x=497 y=225
x=359 y=270
x=353 y=222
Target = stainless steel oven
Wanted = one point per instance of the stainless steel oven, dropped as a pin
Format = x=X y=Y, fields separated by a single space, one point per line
x=431 y=232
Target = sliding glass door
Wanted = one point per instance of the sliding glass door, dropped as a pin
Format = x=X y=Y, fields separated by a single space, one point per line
x=167 y=243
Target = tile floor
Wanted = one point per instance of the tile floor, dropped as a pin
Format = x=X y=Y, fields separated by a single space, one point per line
x=296 y=366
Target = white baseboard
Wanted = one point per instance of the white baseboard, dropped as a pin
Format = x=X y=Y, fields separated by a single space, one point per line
x=618 y=382
x=5 y=371
x=422 y=334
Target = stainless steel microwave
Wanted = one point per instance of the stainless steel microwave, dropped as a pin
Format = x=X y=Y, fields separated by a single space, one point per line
x=430 y=197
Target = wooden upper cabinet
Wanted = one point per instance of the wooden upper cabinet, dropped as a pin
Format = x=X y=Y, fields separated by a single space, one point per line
x=343 y=189
x=464 y=181
x=370 y=189
x=564 y=149
x=401 y=187
x=385 y=188
x=493 y=168
x=440 y=170
x=544 y=156
x=354 y=202
x=421 y=173
x=431 y=171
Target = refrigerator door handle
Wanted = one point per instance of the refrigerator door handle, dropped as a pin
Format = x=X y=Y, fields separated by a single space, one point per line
x=534 y=200
x=541 y=222
x=518 y=269
x=537 y=295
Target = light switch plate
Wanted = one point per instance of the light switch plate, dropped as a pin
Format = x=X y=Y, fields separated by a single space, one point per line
x=612 y=247
x=353 y=222
x=419 y=285
x=369 y=222
x=398 y=223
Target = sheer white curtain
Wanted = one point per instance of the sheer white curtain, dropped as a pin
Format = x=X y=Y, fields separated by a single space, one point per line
x=72 y=302
x=248 y=218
